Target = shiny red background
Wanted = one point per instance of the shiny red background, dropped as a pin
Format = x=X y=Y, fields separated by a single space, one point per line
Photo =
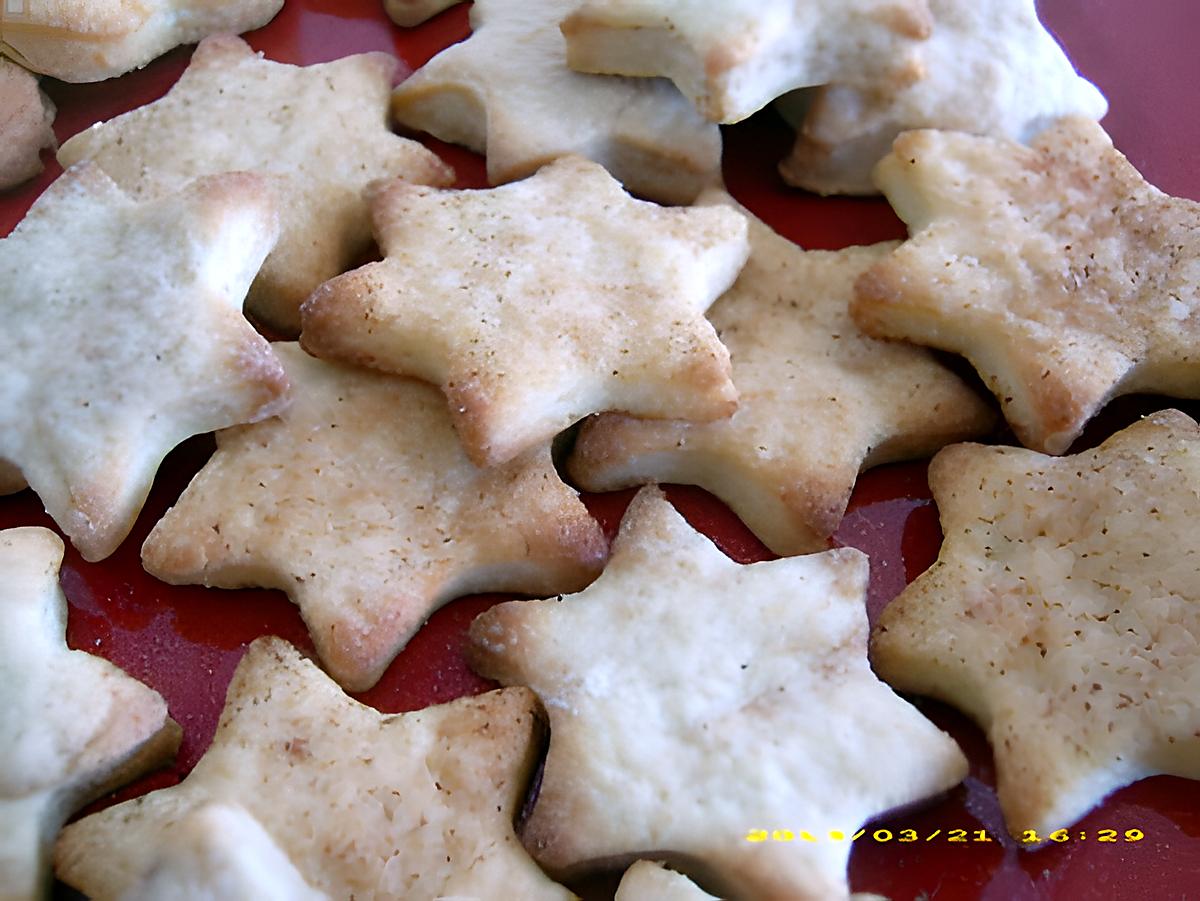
x=185 y=642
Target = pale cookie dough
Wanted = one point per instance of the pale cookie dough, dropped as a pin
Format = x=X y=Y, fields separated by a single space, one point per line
x=1056 y=270
x=539 y=302
x=648 y=880
x=123 y=335
x=506 y=91
x=218 y=852
x=1063 y=615
x=416 y=805
x=359 y=502
x=733 y=57
x=72 y=726
x=693 y=700
x=91 y=40
x=991 y=69
x=321 y=131
x=818 y=401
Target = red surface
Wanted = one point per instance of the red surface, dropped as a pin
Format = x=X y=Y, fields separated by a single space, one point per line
x=185 y=642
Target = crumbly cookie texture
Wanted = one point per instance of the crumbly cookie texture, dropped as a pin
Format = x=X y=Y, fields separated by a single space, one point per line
x=991 y=68
x=218 y=851
x=407 y=13
x=539 y=302
x=734 y=57
x=91 y=40
x=818 y=401
x=26 y=120
x=1057 y=270
x=123 y=335
x=320 y=131
x=359 y=502
x=414 y=805
x=692 y=700
x=72 y=726
x=1062 y=615
x=506 y=91
x=648 y=880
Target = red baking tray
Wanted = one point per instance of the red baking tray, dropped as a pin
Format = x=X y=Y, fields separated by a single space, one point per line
x=185 y=642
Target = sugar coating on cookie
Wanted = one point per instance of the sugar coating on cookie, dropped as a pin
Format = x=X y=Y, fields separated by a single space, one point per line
x=124 y=335
x=414 y=805
x=72 y=726
x=693 y=700
x=539 y=302
x=991 y=68
x=359 y=503
x=1063 y=614
x=1056 y=269
x=818 y=401
x=506 y=91
x=87 y=40
x=320 y=131
x=733 y=57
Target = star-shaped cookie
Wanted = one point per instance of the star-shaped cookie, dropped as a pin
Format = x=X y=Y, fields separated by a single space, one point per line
x=507 y=91
x=733 y=57
x=1063 y=614
x=818 y=401
x=1055 y=269
x=359 y=503
x=692 y=699
x=991 y=69
x=414 y=805
x=72 y=726
x=86 y=40
x=123 y=334
x=26 y=117
x=539 y=302
x=321 y=130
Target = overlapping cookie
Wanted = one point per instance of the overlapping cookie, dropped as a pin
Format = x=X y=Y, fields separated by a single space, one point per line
x=506 y=91
x=733 y=57
x=359 y=502
x=413 y=805
x=818 y=401
x=321 y=130
x=72 y=726
x=991 y=68
x=218 y=851
x=681 y=751
x=90 y=40
x=537 y=303
x=26 y=120
x=123 y=335
x=1057 y=270
x=1062 y=615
